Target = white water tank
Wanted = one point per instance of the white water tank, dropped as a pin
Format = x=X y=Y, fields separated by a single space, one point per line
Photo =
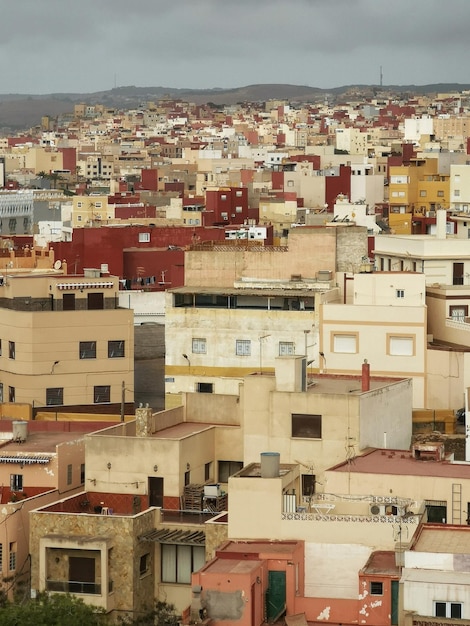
x=20 y=430
x=270 y=464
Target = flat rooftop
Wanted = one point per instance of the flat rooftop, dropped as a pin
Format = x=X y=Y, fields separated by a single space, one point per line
x=444 y=539
x=402 y=463
x=38 y=442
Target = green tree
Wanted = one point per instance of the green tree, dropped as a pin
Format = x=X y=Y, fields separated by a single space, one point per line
x=52 y=610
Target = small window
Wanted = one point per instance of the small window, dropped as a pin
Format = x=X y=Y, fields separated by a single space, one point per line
x=345 y=343
x=308 y=485
x=199 y=346
x=115 y=349
x=401 y=345
x=16 y=482
x=440 y=194
x=376 y=588
x=448 y=610
x=12 y=559
x=11 y=349
x=144 y=565
x=187 y=478
x=88 y=349
x=228 y=468
x=306 y=426
x=458 y=312
x=400 y=293
x=243 y=347
x=286 y=348
x=1 y=400
x=54 y=396
x=238 y=209
x=223 y=197
x=11 y=394
x=423 y=193
x=205 y=387
x=69 y=474
x=238 y=194
x=82 y=473
x=101 y=394
x=207 y=474
x=144 y=237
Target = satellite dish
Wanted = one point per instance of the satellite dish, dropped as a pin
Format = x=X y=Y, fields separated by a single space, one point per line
x=57 y=265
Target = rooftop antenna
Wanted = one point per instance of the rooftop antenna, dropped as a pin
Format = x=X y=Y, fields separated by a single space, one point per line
x=381 y=77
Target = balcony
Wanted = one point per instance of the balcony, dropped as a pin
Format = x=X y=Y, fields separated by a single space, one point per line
x=76 y=587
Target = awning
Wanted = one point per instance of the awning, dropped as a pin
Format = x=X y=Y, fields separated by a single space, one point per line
x=100 y=285
x=170 y=535
x=25 y=460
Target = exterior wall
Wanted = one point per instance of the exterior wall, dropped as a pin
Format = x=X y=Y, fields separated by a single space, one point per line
x=224 y=268
x=373 y=326
x=130 y=590
x=41 y=338
x=267 y=422
x=435 y=486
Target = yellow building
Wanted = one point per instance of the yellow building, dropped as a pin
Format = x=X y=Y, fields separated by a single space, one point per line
x=64 y=340
x=90 y=210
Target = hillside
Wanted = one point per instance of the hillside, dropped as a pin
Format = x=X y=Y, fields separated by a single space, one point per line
x=22 y=111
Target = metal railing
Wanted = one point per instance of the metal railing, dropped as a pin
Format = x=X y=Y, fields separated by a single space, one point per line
x=76 y=586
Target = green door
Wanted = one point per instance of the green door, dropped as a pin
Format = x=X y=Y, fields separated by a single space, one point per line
x=275 y=595
x=394 y=611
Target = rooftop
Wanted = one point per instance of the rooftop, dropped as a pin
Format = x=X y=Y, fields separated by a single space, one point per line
x=402 y=463
x=443 y=538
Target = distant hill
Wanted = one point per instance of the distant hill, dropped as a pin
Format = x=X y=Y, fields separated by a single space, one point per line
x=23 y=111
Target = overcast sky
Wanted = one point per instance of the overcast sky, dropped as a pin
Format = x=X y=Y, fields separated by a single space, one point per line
x=50 y=46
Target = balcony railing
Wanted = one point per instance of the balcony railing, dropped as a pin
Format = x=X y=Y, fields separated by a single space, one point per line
x=76 y=586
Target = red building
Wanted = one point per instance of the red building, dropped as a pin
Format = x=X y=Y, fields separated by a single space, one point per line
x=228 y=205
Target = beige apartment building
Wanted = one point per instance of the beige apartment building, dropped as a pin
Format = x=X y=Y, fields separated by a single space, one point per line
x=386 y=324
x=65 y=341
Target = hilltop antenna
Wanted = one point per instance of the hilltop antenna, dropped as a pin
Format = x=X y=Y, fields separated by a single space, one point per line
x=381 y=76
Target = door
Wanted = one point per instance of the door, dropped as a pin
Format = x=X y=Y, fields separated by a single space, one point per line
x=82 y=574
x=275 y=595
x=457 y=278
x=394 y=609
x=155 y=491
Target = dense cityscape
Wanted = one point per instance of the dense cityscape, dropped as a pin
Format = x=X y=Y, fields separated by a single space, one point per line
x=234 y=359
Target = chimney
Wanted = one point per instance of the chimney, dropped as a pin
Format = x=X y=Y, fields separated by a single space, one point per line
x=365 y=376
x=143 y=418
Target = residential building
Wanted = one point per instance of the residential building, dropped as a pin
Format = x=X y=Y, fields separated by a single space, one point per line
x=435 y=579
x=64 y=340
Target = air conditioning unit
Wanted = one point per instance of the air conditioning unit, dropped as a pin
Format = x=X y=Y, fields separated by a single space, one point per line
x=377 y=509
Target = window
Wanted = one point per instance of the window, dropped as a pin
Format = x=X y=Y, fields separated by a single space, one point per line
x=345 y=343
x=187 y=478
x=457 y=273
x=11 y=394
x=1 y=395
x=55 y=396
x=243 y=347
x=448 y=609
x=69 y=474
x=286 y=348
x=458 y=313
x=144 y=565
x=456 y=193
x=115 y=349
x=308 y=485
x=144 y=237
x=207 y=473
x=11 y=349
x=440 y=194
x=205 y=387
x=238 y=194
x=82 y=473
x=88 y=349
x=306 y=426
x=401 y=345
x=400 y=293
x=228 y=468
x=376 y=588
x=199 y=345
x=423 y=193
x=223 y=197
x=101 y=393
x=12 y=559
x=16 y=482
x=238 y=209
x=180 y=561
